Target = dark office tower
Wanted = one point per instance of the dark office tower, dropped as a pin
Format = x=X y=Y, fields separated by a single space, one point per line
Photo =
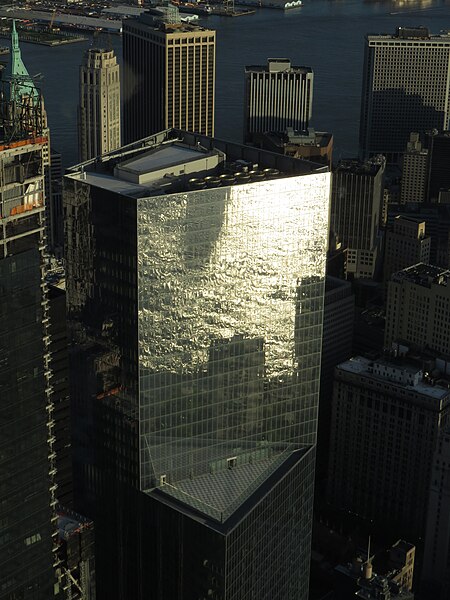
x=338 y=322
x=356 y=212
x=169 y=75
x=54 y=212
x=386 y=419
x=414 y=171
x=406 y=82
x=436 y=567
x=99 y=107
x=196 y=327
x=277 y=96
x=439 y=170
x=26 y=425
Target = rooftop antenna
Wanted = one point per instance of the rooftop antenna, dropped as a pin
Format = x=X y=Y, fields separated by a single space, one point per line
x=367 y=567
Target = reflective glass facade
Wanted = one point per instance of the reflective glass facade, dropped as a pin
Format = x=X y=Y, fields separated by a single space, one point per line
x=262 y=552
x=196 y=321
x=230 y=291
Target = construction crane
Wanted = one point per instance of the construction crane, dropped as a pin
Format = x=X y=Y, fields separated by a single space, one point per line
x=52 y=20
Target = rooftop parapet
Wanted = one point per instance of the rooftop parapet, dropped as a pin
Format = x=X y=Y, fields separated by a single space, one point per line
x=368 y=167
x=423 y=275
x=410 y=33
x=175 y=161
x=278 y=65
x=400 y=372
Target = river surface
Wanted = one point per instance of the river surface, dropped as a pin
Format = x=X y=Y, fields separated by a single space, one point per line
x=327 y=35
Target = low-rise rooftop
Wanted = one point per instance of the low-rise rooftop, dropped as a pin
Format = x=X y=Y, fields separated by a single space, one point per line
x=400 y=373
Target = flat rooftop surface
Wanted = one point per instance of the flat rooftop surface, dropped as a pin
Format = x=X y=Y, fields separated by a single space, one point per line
x=360 y=366
x=162 y=157
x=222 y=489
x=114 y=184
x=423 y=274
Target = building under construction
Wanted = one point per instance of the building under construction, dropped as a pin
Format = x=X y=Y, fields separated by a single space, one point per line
x=26 y=422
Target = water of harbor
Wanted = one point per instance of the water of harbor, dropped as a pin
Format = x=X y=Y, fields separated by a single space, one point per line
x=327 y=35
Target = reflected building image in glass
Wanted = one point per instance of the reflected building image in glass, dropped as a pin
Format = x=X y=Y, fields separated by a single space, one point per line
x=195 y=279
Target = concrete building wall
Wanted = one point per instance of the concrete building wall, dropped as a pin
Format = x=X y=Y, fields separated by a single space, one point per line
x=99 y=108
x=406 y=245
x=418 y=308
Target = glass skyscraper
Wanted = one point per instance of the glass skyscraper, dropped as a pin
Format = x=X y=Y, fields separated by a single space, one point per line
x=195 y=281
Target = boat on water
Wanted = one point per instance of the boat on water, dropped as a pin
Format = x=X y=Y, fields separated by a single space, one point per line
x=4 y=50
x=193 y=8
x=277 y=4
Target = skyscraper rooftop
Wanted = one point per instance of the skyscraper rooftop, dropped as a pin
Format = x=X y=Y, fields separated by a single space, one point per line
x=175 y=161
x=423 y=275
x=411 y=33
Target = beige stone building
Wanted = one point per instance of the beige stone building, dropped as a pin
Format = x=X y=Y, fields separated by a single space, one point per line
x=169 y=75
x=401 y=563
x=99 y=108
x=418 y=308
x=406 y=245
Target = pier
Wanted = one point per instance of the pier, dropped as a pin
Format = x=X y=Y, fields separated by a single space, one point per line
x=64 y=20
x=43 y=37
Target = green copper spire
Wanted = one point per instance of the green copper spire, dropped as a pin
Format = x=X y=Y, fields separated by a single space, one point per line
x=21 y=82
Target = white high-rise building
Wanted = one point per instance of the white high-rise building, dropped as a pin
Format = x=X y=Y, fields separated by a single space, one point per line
x=277 y=96
x=406 y=87
x=99 y=109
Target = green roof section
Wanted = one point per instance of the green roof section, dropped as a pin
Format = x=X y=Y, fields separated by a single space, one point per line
x=21 y=82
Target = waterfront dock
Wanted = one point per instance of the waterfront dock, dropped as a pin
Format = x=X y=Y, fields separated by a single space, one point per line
x=43 y=37
x=276 y=4
x=64 y=20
